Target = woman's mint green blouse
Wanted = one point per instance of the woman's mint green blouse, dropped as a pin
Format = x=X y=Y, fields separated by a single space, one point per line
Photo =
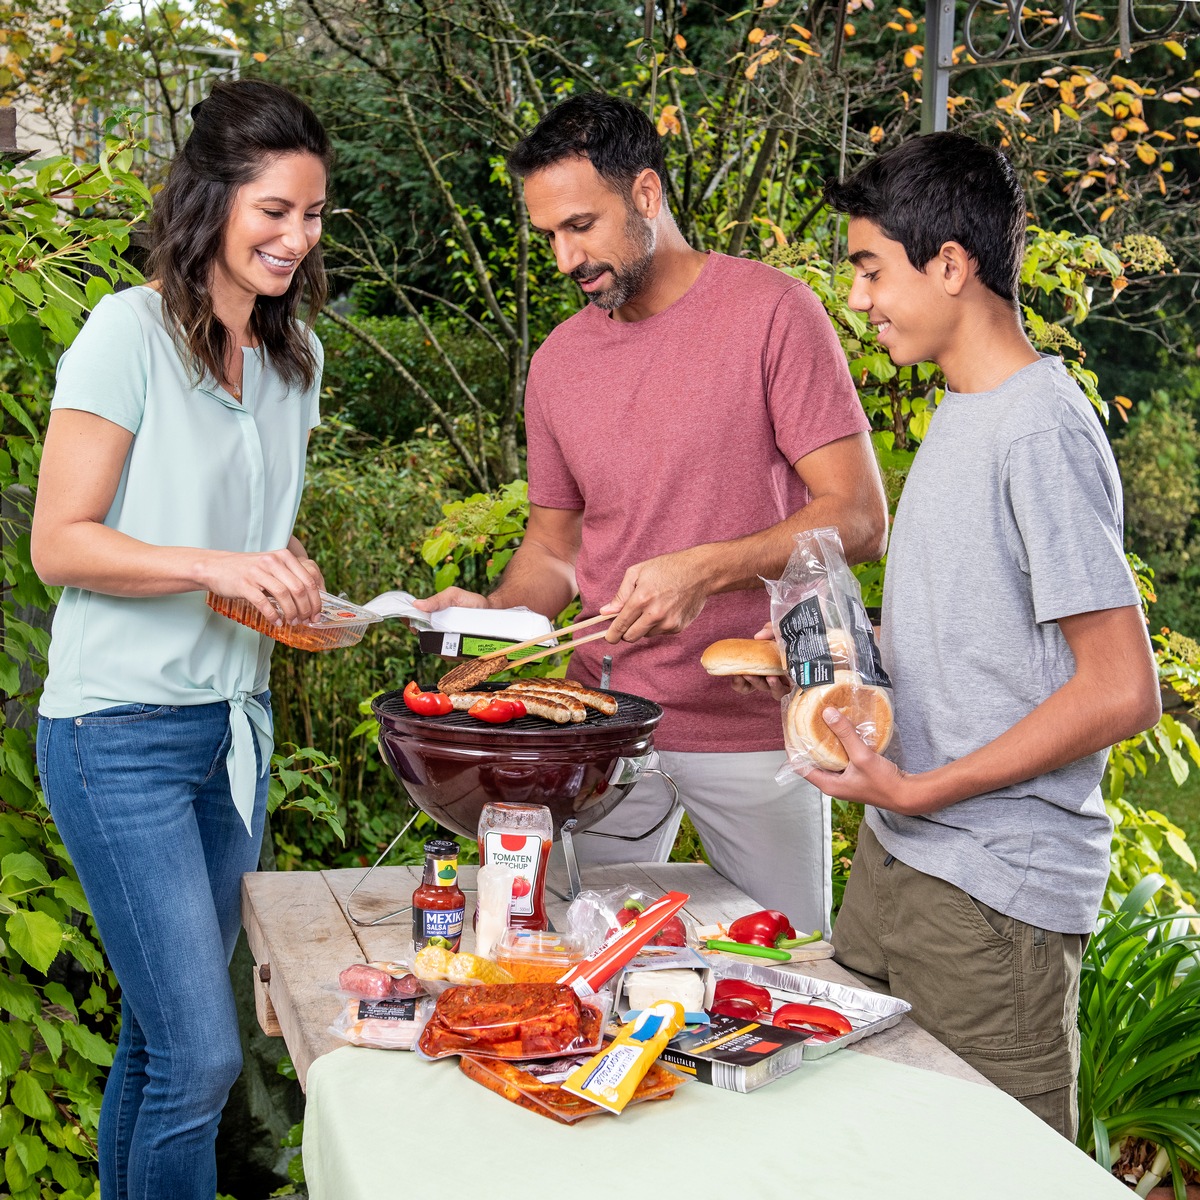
x=203 y=471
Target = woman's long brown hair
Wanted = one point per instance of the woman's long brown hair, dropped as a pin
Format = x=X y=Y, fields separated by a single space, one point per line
x=236 y=132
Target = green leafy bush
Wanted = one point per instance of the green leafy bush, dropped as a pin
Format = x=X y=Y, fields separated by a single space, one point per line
x=1139 y=1025
x=57 y=994
x=376 y=401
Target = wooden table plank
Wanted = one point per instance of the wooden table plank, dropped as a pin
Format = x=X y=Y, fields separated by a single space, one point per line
x=294 y=925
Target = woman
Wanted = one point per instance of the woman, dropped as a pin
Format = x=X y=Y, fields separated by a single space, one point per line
x=173 y=465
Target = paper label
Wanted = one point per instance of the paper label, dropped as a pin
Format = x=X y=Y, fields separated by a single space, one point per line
x=388 y=1010
x=806 y=641
x=870 y=666
x=522 y=853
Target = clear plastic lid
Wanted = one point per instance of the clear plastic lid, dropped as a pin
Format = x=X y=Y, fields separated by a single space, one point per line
x=338 y=624
x=540 y=946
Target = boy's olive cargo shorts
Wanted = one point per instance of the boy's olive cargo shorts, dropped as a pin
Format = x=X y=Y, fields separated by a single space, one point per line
x=1001 y=994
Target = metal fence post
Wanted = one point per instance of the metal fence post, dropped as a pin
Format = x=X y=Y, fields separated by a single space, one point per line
x=937 y=60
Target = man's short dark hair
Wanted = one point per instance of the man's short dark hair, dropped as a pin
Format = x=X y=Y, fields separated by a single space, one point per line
x=940 y=188
x=614 y=135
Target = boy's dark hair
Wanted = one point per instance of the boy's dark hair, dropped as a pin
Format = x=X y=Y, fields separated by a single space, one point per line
x=614 y=135
x=939 y=188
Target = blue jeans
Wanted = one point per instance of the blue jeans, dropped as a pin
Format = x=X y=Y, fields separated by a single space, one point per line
x=141 y=799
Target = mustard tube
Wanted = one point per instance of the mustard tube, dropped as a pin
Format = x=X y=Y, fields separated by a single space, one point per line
x=610 y=1078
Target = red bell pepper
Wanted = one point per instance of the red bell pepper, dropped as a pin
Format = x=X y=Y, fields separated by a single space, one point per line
x=673 y=933
x=426 y=704
x=766 y=928
x=811 y=1016
x=745 y=1001
x=494 y=712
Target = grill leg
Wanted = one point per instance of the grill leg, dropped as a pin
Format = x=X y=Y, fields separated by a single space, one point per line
x=574 y=884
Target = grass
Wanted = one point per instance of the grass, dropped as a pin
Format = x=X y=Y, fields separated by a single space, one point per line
x=1179 y=804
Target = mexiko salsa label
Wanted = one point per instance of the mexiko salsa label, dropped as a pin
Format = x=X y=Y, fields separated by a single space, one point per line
x=522 y=853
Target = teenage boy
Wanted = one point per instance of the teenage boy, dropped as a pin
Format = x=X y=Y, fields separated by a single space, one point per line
x=682 y=426
x=1012 y=634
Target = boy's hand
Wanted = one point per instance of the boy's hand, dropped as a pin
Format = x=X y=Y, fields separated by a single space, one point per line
x=869 y=778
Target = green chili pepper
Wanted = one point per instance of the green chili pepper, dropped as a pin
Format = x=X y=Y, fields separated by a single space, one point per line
x=746 y=948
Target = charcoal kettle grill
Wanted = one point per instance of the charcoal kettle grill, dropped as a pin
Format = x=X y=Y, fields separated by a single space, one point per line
x=452 y=765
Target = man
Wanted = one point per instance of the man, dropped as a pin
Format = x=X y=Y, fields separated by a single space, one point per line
x=1011 y=631
x=682 y=427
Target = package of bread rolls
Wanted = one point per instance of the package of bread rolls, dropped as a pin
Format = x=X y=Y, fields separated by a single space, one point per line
x=826 y=641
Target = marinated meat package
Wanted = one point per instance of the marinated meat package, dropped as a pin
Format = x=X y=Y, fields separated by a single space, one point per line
x=537 y=1086
x=514 y=1020
x=392 y=1023
x=827 y=643
x=379 y=980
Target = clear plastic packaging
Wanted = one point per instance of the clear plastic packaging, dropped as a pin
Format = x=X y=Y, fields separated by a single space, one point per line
x=515 y=1021
x=538 y=956
x=537 y=1086
x=435 y=965
x=394 y=1023
x=338 y=624
x=379 y=980
x=595 y=916
x=827 y=642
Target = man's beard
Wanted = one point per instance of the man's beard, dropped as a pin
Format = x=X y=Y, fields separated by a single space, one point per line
x=631 y=280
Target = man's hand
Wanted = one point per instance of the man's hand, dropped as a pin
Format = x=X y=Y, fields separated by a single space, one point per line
x=661 y=595
x=869 y=778
x=776 y=685
x=452 y=597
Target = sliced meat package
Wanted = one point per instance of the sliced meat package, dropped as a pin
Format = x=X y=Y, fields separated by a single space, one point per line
x=828 y=645
x=513 y=1020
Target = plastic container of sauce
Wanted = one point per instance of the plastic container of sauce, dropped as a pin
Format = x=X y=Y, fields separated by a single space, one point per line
x=537 y=955
x=519 y=836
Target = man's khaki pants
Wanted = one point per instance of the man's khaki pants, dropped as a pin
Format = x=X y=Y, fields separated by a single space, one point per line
x=1001 y=994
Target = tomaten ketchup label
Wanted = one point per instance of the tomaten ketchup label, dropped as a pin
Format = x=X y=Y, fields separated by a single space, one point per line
x=522 y=852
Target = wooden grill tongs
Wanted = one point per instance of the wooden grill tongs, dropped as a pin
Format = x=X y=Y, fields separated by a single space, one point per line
x=471 y=674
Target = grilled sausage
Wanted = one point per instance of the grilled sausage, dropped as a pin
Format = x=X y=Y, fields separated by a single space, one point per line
x=600 y=701
x=536 y=706
x=523 y=692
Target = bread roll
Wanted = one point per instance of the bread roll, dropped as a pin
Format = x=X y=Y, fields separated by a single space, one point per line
x=868 y=709
x=742 y=656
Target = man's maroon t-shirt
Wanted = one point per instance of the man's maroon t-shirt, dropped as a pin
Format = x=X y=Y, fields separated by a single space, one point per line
x=678 y=430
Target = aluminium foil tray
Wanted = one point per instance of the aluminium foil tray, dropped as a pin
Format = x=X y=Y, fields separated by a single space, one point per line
x=868 y=1012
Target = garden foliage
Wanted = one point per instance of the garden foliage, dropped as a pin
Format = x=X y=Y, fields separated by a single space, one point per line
x=57 y=995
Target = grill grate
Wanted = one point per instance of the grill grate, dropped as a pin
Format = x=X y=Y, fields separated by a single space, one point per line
x=632 y=712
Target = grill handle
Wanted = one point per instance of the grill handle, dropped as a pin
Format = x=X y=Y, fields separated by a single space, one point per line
x=568 y=834
x=637 y=837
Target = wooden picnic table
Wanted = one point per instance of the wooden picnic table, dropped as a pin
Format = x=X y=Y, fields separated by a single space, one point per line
x=896 y=1115
x=301 y=936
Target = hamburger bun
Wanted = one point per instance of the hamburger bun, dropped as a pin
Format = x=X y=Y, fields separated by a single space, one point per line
x=742 y=656
x=868 y=709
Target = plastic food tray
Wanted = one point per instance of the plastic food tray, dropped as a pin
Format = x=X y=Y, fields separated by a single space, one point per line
x=339 y=623
x=868 y=1012
x=513 y=1081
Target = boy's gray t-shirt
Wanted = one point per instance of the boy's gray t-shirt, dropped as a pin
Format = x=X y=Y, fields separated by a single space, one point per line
x=1010 y=519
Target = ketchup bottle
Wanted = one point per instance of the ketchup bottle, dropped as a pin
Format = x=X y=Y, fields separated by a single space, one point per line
x=438 y=903
x=519 y=836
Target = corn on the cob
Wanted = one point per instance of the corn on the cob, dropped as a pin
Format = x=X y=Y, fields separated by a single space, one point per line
x=470 y=968
x=432 y=962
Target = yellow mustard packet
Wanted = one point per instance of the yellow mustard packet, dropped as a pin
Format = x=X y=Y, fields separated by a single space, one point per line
x=610 y=1078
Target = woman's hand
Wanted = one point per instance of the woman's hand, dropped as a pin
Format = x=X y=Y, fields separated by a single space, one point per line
x=282 y=585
